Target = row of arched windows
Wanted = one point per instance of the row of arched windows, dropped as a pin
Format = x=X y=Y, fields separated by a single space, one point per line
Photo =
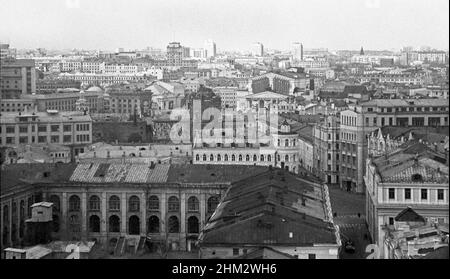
x=153 y=224
x=193 y=204
x=286 y=142
x=232 y=158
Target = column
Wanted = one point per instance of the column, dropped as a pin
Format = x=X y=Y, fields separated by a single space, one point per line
x=183 y=213
x=104 y=221
x=144 y=214
x=84 y=231
x=10 y=223
x=123 y=206
x=202 y=210
x=64 y=215
x=163 y=220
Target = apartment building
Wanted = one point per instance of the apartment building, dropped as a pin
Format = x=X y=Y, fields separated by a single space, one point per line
x=17 y=77
x=360 y=120
x=66 y=128
x=327 y=153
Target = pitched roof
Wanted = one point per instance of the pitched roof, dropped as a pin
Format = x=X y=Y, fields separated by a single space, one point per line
x=274 y=207
x=409 y=215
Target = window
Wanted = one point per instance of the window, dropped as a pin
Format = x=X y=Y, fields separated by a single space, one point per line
x=23 y=139
x=42 y=139
x=174 y=204
x=67 y=128
x=42 y=128
x=74 y=203
x=212 y=204
x=235 y=251
x=94 y=203
x=54 y=128
x=56 y=204
x=67 y=138
x=173 y=225
x=312 y=256
x=153 y=203
x=114 y=203
x=391 y=221
x=407 y=194
x=114 y=223
x=10 y=129
x=94 y=223
x=424 y=194
x=440 y=194
x=133 y=204
x=391 y=193
x=23 y=129
x=54 y=139
x=193 y=204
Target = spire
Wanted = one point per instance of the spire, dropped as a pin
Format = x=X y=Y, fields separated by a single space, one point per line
x=362 y=51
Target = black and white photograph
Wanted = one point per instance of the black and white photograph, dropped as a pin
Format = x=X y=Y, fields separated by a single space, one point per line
x=200 y=131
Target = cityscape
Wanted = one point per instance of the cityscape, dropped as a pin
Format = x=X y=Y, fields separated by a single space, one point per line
x=209 y=131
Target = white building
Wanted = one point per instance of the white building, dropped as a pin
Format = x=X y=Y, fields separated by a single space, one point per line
x=257 y=49
x=210 y=48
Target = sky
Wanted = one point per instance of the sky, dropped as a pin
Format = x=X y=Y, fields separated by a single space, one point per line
x=232 y=24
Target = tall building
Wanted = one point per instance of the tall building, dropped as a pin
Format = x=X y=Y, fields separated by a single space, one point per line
x=174 y=54
x=210 y=47
x=297 y=51
x=17 y=77
x=257 y=49
x=6 y=52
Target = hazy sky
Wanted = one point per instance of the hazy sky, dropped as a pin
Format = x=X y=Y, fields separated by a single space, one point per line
x=232 y=24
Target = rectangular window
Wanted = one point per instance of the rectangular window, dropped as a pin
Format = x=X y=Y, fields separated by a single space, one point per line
x=312 y=256
x=391 y=221
x=10 y=129
x=391 y=193
x=424 y=194
x=42 y=139
x=67 y=138
x=23 y=140
x=42 y=128
x=407 y=194
x=235 y=251
x=54 y=139
x=374 y=121
x=23 y=129
x=440 y=194
x=67 y=128
x=54 y=128
x=10 y=140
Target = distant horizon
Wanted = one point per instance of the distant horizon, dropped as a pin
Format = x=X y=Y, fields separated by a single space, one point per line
x=136 y=24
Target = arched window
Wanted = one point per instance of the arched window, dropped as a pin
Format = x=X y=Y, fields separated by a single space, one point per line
x=286 y=142
x=114 y=223
x=134 y=227
x=74 y=224
x=226 y=157
x=279 y=142
x=153 y=203
x=94 y=203
x=173 y=225
x=211 y=157
x=233 y=158
x=262 y=158
x=204 y=157
x=286 y=158
x=197 y=157
x=74 y=203
x=240 y=157
x=293 y=142
x=193 y=225
x=133 y=204
x=219 y=158
x=153 y=224
x=255 y=158
x=269 y=158
x=174 y=204
x=94 y=224
x=56 y=203
x=114 y=203
x=212 y=204
x=247 y=157
x=193 y=204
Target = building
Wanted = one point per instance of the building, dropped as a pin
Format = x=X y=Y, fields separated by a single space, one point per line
x=360 y=120
x=257 y=49
x=415 y=176
x=117 y=205
x=283 y=83
x=17 y=78
x=297 y=51
x=16 y=105
x=210 y=48
x=273 y=210
x=48 y=86
x=411 y=237
x=228 y=96
x=326 y=149
x=271 y=101
x=6 y=52
x=72 y=129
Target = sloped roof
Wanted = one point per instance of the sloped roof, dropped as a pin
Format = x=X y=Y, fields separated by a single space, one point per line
x=409 y=215
x=274 y=208
x=268 y=95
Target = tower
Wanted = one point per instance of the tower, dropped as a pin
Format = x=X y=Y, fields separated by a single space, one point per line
x=362 y=51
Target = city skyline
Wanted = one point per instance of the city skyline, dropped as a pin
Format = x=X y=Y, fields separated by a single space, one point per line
x=85 y=24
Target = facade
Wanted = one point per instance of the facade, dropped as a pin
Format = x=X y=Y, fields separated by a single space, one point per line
x=257 y=49
x=122 y=203
x=17 y=78
x=66 y=128
x=415 y=176
x=210 y=48
x=16 y=105
x=297 y=51
x=357 y=123
x=273 y=210
x=270 y=101
x=48 y=86
x=105 y=79
x=279 y=83
x=326 y=149
x=228 y=96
